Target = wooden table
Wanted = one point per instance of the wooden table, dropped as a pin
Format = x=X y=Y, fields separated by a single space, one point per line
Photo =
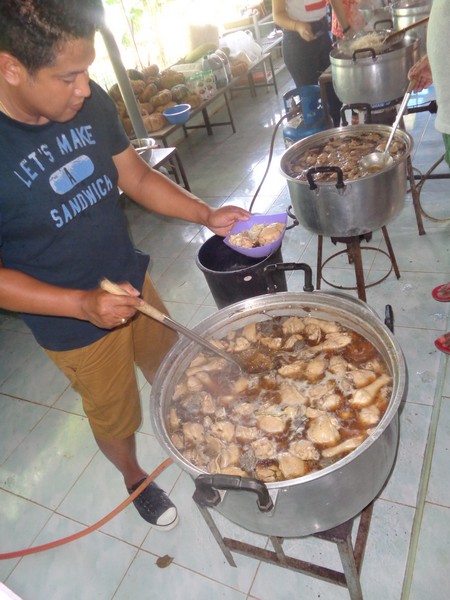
x=269 y=75
x=270 y=79
x=165 y=132
x=170 y=158
x=267 y=44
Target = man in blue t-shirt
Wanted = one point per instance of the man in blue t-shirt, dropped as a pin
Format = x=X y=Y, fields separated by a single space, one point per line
x=63 y=157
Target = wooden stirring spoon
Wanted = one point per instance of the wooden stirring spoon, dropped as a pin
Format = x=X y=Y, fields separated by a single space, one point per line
x=154 y=313
x=388 y=39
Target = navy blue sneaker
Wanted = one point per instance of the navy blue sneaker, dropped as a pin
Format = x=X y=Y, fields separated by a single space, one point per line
x=155 y=506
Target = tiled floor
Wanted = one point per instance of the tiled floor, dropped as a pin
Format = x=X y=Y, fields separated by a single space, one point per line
x=54 y=482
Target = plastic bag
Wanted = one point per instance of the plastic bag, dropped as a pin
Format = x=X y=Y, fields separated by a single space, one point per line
x=242 y=41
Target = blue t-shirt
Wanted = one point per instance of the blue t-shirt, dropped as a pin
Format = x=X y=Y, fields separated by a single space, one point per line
x=60 y=216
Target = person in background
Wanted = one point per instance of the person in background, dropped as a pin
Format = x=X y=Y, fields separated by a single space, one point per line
x=63 y=157
x=356 y=22
x=354 y=18
x=433 y=69
x=307 y=42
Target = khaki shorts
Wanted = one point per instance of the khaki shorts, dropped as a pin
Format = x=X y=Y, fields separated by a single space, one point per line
x=104 y=374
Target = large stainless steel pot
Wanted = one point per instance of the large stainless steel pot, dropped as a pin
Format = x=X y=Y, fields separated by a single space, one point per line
x=366 y=77
x=348 y=208
x=407 y=12
x=372 y=16
x=320 y=500
x=374 y=11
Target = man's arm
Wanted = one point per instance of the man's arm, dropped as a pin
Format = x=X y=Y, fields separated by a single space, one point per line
x=341 y=14
x=158 y=193
x=21 y=293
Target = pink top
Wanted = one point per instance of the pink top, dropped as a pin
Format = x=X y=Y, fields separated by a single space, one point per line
x=355 y=18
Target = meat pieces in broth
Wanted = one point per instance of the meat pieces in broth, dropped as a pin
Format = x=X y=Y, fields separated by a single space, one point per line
x=326 y=390
x=257 y=235
x=345 y=152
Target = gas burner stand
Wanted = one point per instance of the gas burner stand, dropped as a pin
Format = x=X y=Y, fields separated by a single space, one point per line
x=353 y=250
x=351 y=555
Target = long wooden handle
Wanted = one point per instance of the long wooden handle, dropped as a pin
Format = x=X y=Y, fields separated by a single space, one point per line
x=153 y=312
x=405 y=29
x=145 y=308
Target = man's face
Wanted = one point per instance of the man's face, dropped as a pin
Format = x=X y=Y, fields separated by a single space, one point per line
x=57 y=93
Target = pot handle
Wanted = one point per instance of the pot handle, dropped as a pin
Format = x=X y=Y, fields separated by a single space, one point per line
x=312 y=184
x=207 y=486
x=364 y=51
x=293 y=217
x=389 y=317
x=271 y=269
x=388 y=22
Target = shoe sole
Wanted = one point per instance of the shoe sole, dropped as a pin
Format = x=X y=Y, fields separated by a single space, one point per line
x=169 y=526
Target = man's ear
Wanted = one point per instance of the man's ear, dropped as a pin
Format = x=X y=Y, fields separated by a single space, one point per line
x=11 y=68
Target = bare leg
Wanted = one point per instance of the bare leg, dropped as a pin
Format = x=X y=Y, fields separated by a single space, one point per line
x=122 y=454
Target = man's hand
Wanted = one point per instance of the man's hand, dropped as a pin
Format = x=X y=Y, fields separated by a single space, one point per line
x=222 y=220
x=107 y=310
x=304 y=31
x=421 y=74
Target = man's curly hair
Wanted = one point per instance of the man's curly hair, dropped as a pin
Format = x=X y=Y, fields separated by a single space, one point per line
x=33 y=30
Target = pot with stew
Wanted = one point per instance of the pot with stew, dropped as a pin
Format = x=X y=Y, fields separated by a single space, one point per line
x=302 y=447
x=332 y=193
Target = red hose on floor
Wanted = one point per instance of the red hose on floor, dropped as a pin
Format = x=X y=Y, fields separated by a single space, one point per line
x=79 y=534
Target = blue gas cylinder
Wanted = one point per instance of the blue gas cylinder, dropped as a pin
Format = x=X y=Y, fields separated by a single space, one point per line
x=310 y=118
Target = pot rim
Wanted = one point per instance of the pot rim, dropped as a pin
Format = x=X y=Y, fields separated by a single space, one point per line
x=340 y=58
x=349 y=309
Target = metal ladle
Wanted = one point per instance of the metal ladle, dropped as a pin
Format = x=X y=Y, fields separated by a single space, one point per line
x=376 y=161
x=154 y=313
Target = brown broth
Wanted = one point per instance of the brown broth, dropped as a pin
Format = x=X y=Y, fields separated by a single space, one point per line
x=345 y=152
x=234 y=419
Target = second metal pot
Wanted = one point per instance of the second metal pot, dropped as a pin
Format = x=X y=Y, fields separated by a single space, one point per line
x=406 y=12
x=348 y=208
x=370 y=78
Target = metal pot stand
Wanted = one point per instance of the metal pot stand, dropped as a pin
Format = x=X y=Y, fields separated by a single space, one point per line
x=415 y=174
x=353 y=250
x=351 y=554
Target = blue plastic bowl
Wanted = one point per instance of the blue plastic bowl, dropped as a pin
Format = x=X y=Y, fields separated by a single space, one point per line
x=178 y=114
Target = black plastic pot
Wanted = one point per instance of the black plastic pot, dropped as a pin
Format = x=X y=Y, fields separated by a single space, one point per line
x=232 y=277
